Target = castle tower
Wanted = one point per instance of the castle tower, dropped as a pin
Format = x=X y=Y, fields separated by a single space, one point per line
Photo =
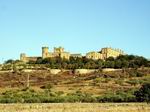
x=23 y=57
x=45 y=52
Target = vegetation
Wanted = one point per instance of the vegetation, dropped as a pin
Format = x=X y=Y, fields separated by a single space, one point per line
x=31 y=96
x=123 y=61
x=117 y=97
x=129 y=84
x=48 y=96
x=143 y=94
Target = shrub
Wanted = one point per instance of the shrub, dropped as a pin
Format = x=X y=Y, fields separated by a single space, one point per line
x=119 y=96
x=7 y=100
x=135 y=73
x=78 y=96
x=143 y=94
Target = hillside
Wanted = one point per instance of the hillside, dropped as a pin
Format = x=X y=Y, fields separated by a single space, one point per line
x=95 y=84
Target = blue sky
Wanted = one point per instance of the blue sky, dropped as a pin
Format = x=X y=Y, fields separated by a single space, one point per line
x=77 y=25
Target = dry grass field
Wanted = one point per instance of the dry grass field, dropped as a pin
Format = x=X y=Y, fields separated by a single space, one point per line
x=76 y=107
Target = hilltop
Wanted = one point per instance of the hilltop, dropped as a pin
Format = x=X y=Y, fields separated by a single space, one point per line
x=75 y=80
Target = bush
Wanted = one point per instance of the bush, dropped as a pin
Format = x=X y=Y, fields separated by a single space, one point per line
x=7 y=100
x=32 y=99
x=119 y=96
x=135 y=73
x=78 y=96
x=143 y=94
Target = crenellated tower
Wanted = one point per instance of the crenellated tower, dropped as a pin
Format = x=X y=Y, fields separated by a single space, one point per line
x=23 y=57
x=45 y=52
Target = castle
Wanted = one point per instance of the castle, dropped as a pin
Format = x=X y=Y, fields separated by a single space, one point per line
x=60 y=52
x=104 y=53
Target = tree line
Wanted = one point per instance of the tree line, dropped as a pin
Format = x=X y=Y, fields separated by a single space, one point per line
x=123 y=61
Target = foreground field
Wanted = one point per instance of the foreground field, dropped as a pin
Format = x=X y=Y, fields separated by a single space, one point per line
x=76 y=107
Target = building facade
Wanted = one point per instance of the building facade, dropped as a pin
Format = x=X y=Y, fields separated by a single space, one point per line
x=110 y=52
x=104 y=53
x=94 y=55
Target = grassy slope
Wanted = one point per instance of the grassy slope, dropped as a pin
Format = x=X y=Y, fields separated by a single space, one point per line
x=97 y=83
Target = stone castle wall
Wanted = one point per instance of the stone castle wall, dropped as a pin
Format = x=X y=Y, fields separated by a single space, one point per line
x=60 y=52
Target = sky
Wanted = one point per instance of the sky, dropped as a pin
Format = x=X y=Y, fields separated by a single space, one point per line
x=79 y=26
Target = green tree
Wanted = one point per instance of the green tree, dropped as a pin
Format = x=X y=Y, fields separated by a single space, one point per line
x=10 y=61
x=125 y=64
x=109 y=64
x=143 y=94
x=118 y=64
x=39 y=61
x=110 y=59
